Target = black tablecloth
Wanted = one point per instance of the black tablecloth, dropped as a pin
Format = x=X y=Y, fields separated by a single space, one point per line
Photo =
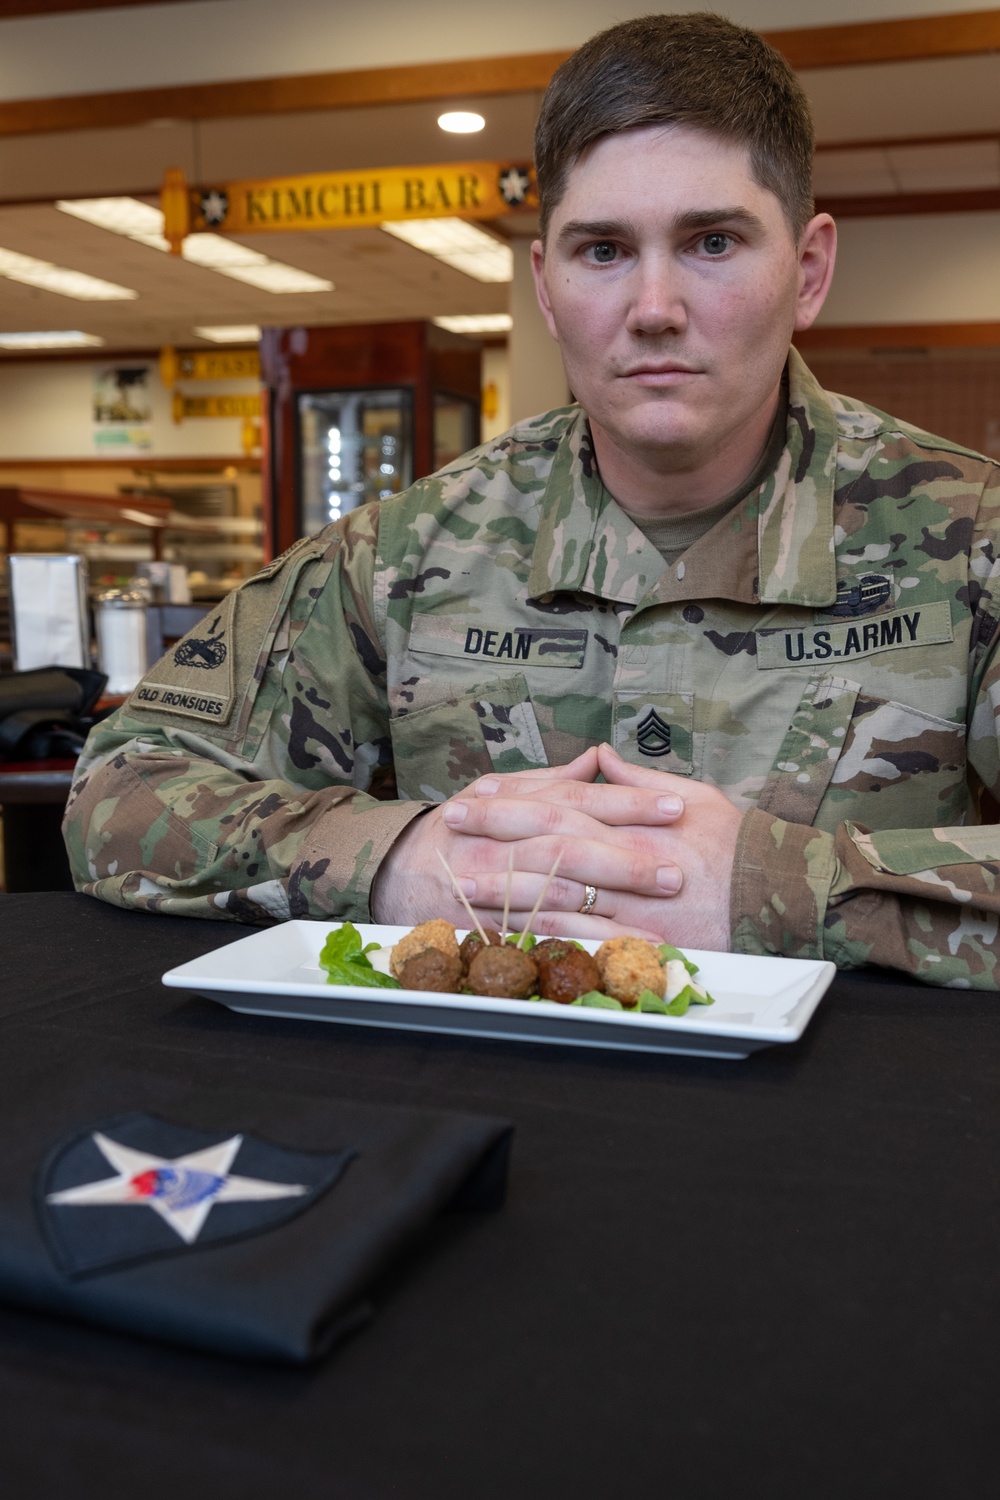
x=775 y=1277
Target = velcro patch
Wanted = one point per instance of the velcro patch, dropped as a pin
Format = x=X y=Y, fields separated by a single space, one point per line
x=921 y=625
x=543 y=646
x=195 y=676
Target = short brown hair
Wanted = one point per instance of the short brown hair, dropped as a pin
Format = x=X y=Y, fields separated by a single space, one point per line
x=697 y=70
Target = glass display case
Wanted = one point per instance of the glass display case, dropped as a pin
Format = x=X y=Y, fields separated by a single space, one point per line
x=354 y=446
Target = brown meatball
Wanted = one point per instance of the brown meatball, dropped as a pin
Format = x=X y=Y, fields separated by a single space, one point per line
x=504 y=972
x=438 y=934
x=564 y=971
x=629 y=965
x=472 y=944
x=431 y=970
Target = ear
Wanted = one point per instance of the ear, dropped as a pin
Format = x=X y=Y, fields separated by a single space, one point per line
x=541 y=290
x=817 y=257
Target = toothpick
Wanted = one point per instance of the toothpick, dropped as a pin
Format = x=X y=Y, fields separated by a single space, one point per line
x=458 y=893
x=538 y=903
x=506 y=894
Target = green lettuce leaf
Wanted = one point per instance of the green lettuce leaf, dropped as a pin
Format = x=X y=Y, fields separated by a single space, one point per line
x=667 y=951
x=346 y=961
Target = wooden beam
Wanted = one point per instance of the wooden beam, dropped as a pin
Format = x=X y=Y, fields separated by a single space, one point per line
x=900 y=336
x=858 y=43
x=891 y=142
x=876 y=206
x=11 y=8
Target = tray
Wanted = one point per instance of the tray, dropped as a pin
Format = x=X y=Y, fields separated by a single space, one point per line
x=758 y=1001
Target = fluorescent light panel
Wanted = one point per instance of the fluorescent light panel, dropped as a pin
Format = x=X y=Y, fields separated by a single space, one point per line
x=232 y=333
x=459 y=244
x=66 y=283
x=70 y=338
x=144 y=223
x=477 y=323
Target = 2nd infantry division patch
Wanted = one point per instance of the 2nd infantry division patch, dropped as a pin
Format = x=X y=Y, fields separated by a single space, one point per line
x=194 y=677
x=137 y=1187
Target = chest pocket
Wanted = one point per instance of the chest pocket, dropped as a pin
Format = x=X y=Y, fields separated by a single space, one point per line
x=441 y=748
x=848 y=754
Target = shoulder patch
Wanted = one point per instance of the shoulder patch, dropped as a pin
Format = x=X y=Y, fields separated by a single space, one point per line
x=194 y=677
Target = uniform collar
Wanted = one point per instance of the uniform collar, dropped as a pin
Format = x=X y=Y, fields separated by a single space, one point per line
x=775 y=548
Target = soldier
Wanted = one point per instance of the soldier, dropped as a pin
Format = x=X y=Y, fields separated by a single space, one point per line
x=761 y=613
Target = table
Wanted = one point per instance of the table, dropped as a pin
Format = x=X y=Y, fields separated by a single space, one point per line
x=32 y=799
x=775 y=1277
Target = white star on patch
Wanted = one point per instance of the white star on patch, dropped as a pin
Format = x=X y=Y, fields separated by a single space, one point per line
x=514 y=185
x=181 y=1189
x=214 y=206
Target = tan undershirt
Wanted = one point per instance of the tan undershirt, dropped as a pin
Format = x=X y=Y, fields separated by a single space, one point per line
x=673 y=535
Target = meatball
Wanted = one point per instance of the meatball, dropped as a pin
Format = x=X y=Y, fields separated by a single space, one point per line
x=431 y=970
x=504 y=972
x=472 y=944
x=564 y=970
x=629 y=965
x=438 y=935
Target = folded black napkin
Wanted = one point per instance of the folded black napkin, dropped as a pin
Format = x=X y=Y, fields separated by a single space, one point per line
x=245 y=1221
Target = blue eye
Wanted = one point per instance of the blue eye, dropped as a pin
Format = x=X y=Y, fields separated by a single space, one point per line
x=604 y=253
x=716 y=244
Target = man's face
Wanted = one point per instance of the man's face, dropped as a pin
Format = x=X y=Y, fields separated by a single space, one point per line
x=673 y=284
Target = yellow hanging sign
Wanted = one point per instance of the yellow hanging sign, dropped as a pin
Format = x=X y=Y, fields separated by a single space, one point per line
x=352 y=200
x=208 y=364
x=243 y=407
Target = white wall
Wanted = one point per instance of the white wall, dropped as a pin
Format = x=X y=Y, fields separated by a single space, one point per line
x=47 y=410
x=919 y=268
x=209 y=40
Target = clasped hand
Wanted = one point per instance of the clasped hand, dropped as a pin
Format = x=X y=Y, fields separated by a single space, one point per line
x=658 y=848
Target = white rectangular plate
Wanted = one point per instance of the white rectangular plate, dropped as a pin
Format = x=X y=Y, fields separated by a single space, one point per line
x=758 y=1001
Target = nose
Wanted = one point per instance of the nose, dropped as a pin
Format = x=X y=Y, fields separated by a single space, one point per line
x=657 y=304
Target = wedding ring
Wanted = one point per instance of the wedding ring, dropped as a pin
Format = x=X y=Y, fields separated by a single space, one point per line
x=589 y=900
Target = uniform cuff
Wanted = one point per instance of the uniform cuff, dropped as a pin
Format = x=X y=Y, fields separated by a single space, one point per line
x=334 y=874
x=782 y=875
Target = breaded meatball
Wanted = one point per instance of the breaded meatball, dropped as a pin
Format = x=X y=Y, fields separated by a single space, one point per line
x=629 y=965
x=437 y=934
x=504 y=972
x=564 y=970
x=472 y=944
x=431 y=970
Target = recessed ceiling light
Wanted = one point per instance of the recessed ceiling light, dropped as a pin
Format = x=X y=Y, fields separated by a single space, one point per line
x=461 y=122
x=459 y=244
x=233 y=333
x=50 y=278
x=477 y=323
x=50 y=339
x=143 y=222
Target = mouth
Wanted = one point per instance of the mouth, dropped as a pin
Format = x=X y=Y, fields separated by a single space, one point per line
x=654 y=372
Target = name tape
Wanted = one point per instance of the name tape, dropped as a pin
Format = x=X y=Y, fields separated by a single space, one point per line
x=923 y=625
x=541 y=646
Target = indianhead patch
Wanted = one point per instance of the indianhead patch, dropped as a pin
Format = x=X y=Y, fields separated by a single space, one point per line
x=137 y=1187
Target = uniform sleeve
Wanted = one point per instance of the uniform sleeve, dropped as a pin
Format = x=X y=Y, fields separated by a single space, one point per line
x=237 y=782
x=922 y=900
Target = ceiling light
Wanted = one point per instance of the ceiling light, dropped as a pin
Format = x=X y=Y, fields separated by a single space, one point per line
x=42 y=273
x=233 y=333
x=143 y=222
x=461 y=122
x=49 y=339
x=458 y=244
x=477 y=323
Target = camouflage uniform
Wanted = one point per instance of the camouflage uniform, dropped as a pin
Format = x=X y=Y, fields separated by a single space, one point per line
x=825 y=654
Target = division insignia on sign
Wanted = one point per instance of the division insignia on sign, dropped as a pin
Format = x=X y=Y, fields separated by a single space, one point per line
x=859 y=596
x=214 y=205
x=514 y=184
x=208 y=653
x=653 y=735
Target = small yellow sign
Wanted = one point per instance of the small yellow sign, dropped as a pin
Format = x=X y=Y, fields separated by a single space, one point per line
x=352 y=200
x=209 y=364
x=185 y=407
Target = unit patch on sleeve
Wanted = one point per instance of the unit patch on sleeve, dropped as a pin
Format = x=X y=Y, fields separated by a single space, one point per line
x=921 y=625
x=542 y=646
x=195 y=676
